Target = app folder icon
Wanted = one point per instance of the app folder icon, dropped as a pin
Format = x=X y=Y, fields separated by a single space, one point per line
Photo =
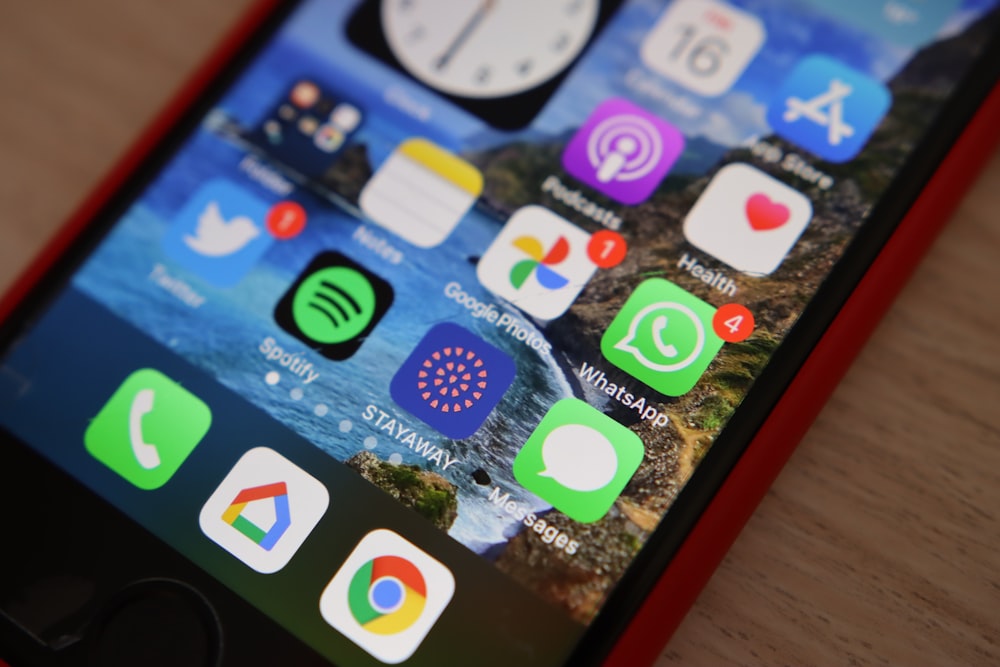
x=421 y=192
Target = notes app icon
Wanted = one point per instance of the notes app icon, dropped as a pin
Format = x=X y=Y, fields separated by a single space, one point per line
x=421 y=192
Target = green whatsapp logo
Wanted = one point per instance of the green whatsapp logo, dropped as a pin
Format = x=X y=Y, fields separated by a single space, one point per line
x=662 y=336
x=334 y=305
x=578 y=459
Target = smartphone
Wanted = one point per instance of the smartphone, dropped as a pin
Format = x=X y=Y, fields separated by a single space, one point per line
x=464 y=334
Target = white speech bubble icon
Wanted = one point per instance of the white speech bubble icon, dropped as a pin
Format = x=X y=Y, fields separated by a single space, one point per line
x=579 y=457
x=659 y=327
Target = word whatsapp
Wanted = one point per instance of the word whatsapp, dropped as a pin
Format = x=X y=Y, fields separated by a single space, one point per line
x=662 y=336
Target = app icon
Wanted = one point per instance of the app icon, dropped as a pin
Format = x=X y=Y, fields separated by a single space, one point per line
x=219 y=234
x=333 y=305
x=623 y=151
x=828 y=108
x=539 y=262
x=387 y=596
x=747 y=219
x=452 y=380
x=264 y=510
x=704 y=45
x=147 y=429
x=578 y=459
x=421 y=192
x=662 y=336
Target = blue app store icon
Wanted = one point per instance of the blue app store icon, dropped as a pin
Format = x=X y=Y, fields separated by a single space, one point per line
x=220 y=233
x=452 y=380
x=828 y=108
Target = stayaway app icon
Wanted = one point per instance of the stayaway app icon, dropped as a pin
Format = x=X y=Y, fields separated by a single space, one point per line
x=452 y=380
x=148 y=428
x=662 y=336
x=538 y=262
x=220 y=233
x=748 y=219
x=264 y=510
x=387 y=596
x=623 y=151
x=421 y=192
x=333 y=305
x=828 y=108
x=704 y=45
x=578 y=459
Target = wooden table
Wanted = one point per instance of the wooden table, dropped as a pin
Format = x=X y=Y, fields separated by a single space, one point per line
x=878 y=544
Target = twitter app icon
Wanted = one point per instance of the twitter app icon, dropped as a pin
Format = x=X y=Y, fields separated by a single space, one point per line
x=220 y=233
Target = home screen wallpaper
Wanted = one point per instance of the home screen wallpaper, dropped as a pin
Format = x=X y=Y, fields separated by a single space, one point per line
x=527 y=327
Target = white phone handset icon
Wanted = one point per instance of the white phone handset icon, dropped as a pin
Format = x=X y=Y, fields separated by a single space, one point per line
x=659 y=324
x=145 y=454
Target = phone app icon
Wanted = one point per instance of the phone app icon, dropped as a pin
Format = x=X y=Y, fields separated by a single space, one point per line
x=148 y=428
x=578 y=459
x=703 y=45
x=264 y=510
x=828 y=108
x=662 y=336
x=333 y=305
x=452 y=380
x=623 y=151
x=748 y=219
x=539 y=262
x=421 y=192
x=219 y=234
x=387 y=596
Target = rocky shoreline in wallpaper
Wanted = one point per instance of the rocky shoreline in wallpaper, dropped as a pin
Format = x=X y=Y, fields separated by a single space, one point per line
x=579 y=583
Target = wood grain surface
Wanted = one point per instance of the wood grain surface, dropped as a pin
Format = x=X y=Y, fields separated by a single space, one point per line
x=878 y=544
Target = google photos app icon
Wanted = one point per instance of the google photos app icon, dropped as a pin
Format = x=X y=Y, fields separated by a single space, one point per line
x=538 y=262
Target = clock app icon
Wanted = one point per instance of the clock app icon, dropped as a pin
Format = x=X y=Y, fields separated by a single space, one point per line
x=498 y=59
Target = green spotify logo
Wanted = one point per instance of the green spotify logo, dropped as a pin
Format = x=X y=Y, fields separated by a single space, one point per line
x=333 y=305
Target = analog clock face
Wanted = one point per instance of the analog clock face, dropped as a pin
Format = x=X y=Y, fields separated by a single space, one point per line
x=484 y=49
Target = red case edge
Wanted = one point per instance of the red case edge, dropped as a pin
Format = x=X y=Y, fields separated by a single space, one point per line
x=677 y=588
x=193 y=87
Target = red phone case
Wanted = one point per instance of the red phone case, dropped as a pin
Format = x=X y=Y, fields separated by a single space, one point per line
x=678 y=586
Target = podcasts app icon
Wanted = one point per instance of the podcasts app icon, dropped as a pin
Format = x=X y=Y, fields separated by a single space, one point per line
x=623 y=151
x=333 y=305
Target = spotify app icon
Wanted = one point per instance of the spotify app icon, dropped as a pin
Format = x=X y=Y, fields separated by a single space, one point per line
x=333 y=305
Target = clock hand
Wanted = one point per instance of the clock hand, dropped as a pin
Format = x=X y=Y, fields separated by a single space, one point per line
x=463 y=35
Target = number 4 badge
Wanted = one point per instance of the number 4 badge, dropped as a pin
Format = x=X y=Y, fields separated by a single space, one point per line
x=703 y=45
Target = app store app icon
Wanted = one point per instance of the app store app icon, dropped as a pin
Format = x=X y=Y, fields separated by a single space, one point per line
x=578 y=459
x=623 y=151
x=828 y=108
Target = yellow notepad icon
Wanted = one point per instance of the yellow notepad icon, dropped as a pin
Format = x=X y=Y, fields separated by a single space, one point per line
x=421 y=192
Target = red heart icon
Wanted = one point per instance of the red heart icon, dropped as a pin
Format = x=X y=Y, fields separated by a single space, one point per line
x=765 y=214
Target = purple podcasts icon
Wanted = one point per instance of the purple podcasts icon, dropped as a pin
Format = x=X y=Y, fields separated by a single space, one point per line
x=623 y=151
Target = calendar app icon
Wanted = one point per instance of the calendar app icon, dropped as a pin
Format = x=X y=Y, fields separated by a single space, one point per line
x=704 y=45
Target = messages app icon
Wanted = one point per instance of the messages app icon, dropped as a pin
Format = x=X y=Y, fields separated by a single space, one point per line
x=662 y=336
x=578 y=459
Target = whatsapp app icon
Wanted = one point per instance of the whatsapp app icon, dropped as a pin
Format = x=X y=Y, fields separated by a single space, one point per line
x=662 y=336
